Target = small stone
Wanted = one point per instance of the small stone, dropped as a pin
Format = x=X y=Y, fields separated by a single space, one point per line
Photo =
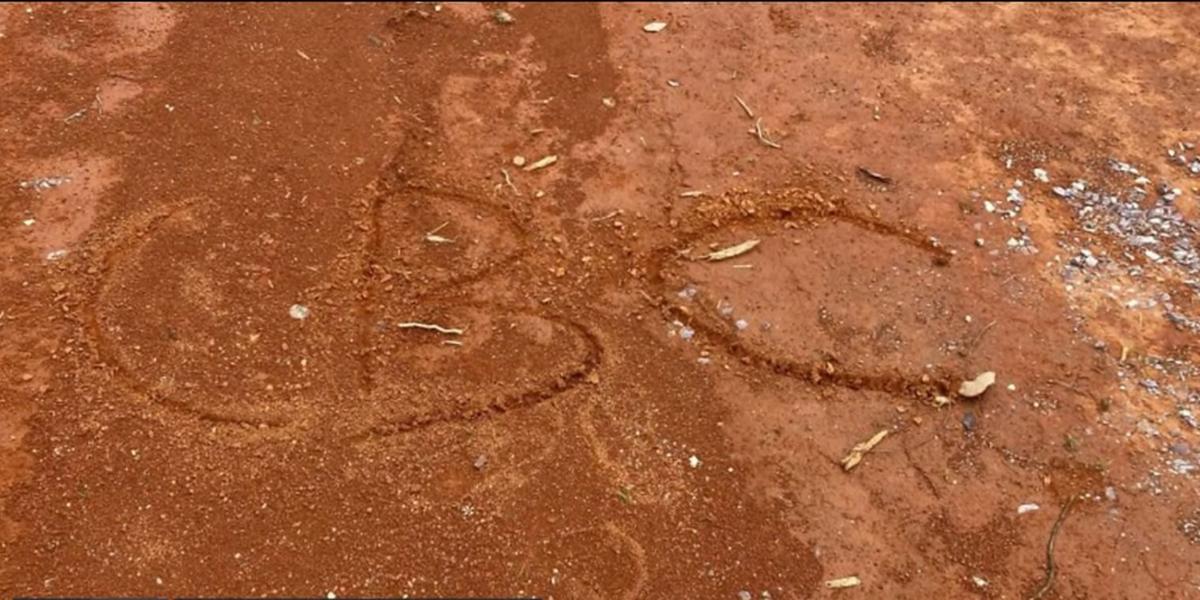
x=56 y=255
x=744 y=595
x=298 y=312
x=504 y=17
x=694 y=461
x=968 y=421
x=1041 y=175
x=26 y=376
x=979 y=242
x=654 y=26
x=480 y=462
x=1024 y=508
x=979 y=581
x=518 y=161
x=609 y=102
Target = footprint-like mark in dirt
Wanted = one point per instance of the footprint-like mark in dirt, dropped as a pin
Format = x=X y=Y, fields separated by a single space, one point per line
x=827 y=289
x=191 y=311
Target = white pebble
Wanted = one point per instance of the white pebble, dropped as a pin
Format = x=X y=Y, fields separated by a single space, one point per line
x=298 y=312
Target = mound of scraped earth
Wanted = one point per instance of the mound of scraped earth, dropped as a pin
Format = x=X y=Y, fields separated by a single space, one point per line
x=599 y=301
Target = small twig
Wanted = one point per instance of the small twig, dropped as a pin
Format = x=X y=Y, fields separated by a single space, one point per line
x=606 y=217
x=979 y=336
x=749 y=113
x=732 y=251
x=75 y=115
x=431 y=327
x=451 y=343
x=762 y=137
x=860 y=450
x=1050 y=568
x=433 y=238
x=508 y=181
x=880 y=177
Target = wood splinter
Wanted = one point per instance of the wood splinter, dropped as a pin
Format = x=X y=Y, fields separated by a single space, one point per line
x=860 y=450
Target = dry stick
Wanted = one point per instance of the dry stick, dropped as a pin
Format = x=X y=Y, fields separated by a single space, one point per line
x=1050 y=569
x=508 y=181
x=433 y=238
x=749 y=113
x=431 y=327
x=762 y=137
x=979 y=336
x=606 y=217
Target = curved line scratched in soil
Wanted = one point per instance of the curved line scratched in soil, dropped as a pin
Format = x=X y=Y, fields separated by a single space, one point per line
x=521 y=235
x=139 y=231
x=560 y=384
x=639 y=560
x=637 y=554
x=816 y=373
x=126 y=244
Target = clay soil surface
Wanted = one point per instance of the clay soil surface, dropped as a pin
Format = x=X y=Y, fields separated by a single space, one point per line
x=220 y=223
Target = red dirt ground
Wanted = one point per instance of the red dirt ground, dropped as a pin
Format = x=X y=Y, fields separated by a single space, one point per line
x=167 y=429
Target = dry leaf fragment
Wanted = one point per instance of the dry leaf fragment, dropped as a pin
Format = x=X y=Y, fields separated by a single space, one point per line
x=977 y=386
x=733 y=251
x=843 y=582
x=859 y=450
x=654 y=26
x=542 y=163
